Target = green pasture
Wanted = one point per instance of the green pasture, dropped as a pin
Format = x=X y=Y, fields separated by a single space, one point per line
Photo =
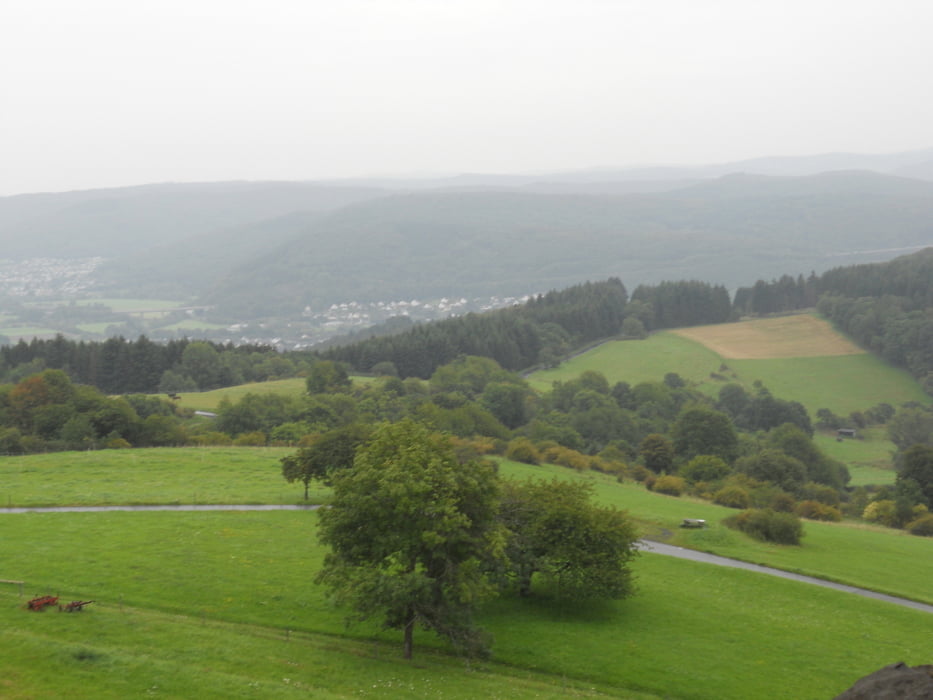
x=210 y=400
x=14 y=332
x=868 y=458
x=222 y=605
x=842 y=384
x=216 y=475
x=133 y=305
x=636 y=361
x=99 y=328
x=191 y=324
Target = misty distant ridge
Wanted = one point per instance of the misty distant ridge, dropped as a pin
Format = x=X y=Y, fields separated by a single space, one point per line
x=255 y=251
x=916 y=164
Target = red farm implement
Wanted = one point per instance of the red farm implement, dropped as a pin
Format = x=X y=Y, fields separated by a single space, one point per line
x=42 y=602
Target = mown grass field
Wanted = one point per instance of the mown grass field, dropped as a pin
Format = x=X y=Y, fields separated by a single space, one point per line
x=842 y=384
x=154 y=476
x=635 y=361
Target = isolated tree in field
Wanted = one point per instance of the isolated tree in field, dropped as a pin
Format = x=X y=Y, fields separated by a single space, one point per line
x=411 y=532
x=581 y=549
x=330 y=452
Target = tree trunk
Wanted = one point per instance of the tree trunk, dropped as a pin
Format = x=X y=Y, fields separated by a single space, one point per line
x=409 y=633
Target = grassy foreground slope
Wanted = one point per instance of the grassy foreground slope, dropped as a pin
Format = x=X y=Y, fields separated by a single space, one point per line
x=222 y=605
x=153 y=476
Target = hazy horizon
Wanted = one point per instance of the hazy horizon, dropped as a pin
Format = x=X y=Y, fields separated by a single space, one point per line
x=106 y=94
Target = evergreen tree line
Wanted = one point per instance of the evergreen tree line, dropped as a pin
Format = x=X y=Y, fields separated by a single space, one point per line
x=121 y=366
x=908 y=278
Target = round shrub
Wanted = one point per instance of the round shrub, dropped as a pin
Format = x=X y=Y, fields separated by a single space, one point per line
x=522 y=450
x=815 y=510
x=883 y=512
x=768 y=525
x=639 y=472
x=670 y=485
x=782 y=502
x=922 y=526
x=566 y=457
x=732 y=497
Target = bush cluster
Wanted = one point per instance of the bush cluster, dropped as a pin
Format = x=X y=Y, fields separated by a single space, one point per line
x=814 y=510
x=922 y=526
x=670 y=485
x=768 y=525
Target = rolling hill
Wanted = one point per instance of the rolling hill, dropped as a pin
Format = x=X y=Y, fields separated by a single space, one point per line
x=812 y=364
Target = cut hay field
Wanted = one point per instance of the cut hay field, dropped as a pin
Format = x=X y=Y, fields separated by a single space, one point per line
x=799 y=335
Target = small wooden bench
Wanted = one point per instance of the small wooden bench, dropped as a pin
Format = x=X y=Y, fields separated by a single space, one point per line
x=693 y=522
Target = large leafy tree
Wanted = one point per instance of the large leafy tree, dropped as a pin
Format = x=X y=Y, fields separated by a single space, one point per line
x=580 y=549
x=699 y=430
x=412 y=532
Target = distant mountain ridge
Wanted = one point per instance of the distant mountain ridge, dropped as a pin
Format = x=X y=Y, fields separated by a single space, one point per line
x=251 y=250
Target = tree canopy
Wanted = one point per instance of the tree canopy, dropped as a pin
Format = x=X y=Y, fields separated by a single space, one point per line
x=412 y=532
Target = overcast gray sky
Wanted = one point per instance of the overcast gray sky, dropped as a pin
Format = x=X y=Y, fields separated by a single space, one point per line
x=118 y=92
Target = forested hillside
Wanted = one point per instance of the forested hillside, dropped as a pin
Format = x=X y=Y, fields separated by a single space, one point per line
x=450 y=243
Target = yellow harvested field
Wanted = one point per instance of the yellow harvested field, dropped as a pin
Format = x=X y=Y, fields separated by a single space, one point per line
x=772 y=338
